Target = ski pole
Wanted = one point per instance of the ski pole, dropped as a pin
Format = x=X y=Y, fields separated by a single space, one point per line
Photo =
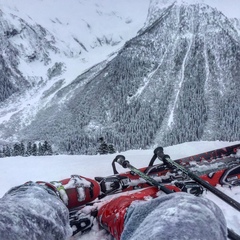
x=125 y=164
x=158 y=151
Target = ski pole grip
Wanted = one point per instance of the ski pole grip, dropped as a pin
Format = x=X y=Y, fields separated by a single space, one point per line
x=158 y=151
x=122 y=161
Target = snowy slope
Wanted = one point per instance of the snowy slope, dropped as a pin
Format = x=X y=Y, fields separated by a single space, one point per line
x=82 y=33
x=73 y=37
x=80 y=26
x=17 y=170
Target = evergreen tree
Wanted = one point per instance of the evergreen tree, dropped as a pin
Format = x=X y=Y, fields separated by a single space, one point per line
x=47 y=148
x=7 y=151
x=29 y=149
x=34 y=149
x=16 y=149
x=22 y=149
x=111 y=149
x=40 y=149
x=103 y=147
x=1 y=153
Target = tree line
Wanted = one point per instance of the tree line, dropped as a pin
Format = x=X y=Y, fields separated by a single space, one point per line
x=25 y=150
x=45 y=148
x=105 y=148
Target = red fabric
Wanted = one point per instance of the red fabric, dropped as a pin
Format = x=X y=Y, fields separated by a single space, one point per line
x=111 y=215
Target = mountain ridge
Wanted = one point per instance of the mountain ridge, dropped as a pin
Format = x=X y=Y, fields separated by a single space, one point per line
x=162 y=87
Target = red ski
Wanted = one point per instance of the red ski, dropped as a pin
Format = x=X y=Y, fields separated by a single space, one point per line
x=216 y=167
x=222 y=167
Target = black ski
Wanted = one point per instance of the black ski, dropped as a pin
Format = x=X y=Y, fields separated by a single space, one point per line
x=125 y=164
x=172 y=164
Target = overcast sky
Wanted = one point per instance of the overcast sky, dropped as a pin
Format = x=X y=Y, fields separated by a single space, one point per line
x=231 y=8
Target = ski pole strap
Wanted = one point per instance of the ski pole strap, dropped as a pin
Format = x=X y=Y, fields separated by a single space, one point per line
x=125 y=164
x=114 y=167
x=154 y=157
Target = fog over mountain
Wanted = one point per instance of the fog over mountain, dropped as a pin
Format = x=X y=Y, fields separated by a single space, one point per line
x=137 y=73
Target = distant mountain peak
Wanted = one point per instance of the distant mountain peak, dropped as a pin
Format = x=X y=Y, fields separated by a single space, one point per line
x=231 y=10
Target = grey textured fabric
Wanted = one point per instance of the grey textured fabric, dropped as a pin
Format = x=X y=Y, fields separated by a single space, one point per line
x=179 y=216
x=31 y=212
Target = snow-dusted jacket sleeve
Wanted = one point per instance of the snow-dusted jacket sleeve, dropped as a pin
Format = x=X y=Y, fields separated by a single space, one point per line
x=31 y=212
x=175 y=216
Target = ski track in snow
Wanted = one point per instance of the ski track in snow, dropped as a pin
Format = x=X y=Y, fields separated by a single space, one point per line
x=17 y=170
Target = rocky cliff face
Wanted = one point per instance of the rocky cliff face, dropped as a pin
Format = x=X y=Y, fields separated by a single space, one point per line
x=176 y=81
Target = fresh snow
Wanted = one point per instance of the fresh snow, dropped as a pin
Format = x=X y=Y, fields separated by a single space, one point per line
x=17 y=170
x=80 y=22
x=84 y=20
x=178 y=88
x=78 y=28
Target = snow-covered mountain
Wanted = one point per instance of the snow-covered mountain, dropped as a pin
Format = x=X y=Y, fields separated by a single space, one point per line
x=77 y=71
x=45 y=45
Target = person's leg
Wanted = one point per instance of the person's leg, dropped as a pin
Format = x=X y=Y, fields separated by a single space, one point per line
x=40 y=210
x=32 y=211
x=175 y=216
